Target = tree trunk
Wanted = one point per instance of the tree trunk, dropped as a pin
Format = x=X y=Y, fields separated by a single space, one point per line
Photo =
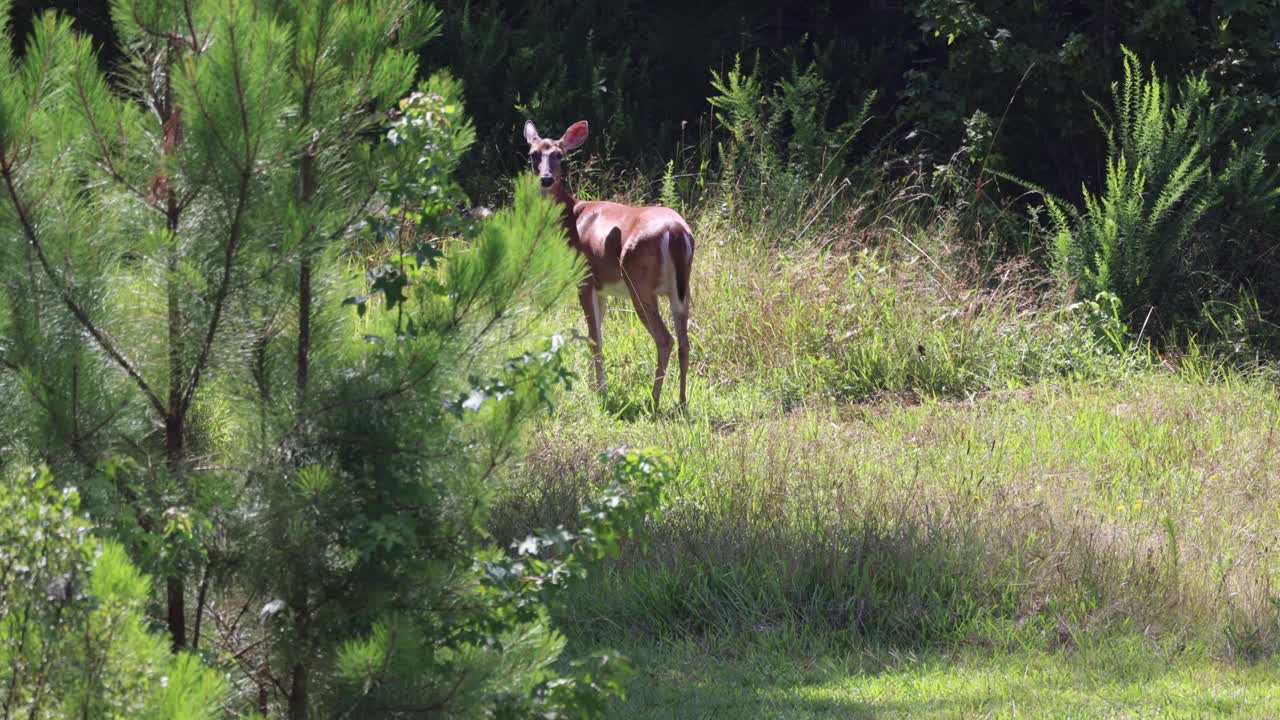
x=176 y=584
x=175 y=419
x=307 y=171
x=304 y=324
x=298 y=693
x=177 y=611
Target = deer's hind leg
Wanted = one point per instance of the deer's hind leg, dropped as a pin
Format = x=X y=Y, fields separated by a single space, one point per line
x=680 y=317
x=677 y=264
x=646 y=304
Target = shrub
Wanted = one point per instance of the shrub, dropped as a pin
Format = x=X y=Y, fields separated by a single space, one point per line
x=1135 y=238
x=74 y=639
x=781 y=163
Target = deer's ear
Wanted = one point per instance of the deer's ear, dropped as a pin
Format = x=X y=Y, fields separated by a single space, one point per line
x=530 y=132
x=574 y=136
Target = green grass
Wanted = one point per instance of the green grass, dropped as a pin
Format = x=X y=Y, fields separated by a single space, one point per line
x=955 y=485
x=1149 y=501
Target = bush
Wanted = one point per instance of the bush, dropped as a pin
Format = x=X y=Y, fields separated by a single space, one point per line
x=1135 y=239
x=74 y=641
x=781 y=163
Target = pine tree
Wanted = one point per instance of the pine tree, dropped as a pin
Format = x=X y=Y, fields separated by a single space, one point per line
x=153 y=209
x=185 y=338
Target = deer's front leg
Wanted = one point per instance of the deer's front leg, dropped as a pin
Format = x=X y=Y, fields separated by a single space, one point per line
x=593 y=307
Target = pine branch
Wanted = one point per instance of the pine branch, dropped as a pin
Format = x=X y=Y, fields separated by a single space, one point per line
x=249 y=145
x=107 y=165
x=224 y=286
x=237 y=221
x=342 y=229
x=174 y=39
x=99 y=335
x=191 y=27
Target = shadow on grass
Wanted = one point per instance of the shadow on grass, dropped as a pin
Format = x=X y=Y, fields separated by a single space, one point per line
x=904 y=583
x=679 y=681
x=625 y=408
x=630 y=408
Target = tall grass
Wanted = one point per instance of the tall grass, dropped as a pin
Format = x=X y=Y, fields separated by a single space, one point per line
x=893 y=442
x=888 y=446
x=874 y=293
x=1032 y=518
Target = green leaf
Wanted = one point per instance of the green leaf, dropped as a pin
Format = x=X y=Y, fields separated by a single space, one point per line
x=427 y=253
x=361 y=303
x=391 y=283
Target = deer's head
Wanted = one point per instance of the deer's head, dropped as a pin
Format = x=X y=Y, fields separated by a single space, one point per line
x=545 y=154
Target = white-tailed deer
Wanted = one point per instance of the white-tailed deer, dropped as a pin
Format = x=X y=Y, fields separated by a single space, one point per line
x=645 y=252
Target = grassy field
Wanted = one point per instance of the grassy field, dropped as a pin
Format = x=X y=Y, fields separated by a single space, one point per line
x=910 y=492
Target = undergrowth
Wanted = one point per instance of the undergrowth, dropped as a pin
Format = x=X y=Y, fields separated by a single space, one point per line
x=890 y=446
x=901 y=441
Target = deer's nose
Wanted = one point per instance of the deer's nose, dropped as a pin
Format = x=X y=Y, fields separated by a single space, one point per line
x=547 y=181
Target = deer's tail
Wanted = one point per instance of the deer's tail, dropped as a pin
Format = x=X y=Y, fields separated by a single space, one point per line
x=681 y=249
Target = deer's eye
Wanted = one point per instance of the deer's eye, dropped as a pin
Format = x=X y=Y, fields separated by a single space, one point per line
x=533 y=157
x=555 y=155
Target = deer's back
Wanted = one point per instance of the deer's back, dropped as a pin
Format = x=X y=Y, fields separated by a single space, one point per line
x=613 y=236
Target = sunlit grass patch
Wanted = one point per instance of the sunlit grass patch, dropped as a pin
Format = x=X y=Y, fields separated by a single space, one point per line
x=1119 y=679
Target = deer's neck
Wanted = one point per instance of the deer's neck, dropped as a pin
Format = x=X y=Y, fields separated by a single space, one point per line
x=567 y=215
